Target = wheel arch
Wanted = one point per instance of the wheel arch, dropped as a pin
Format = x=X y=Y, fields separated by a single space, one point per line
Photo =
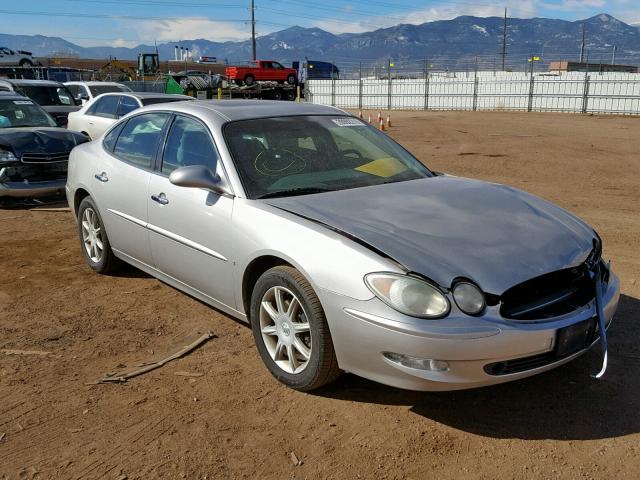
x=253 y=272
x=79 y=195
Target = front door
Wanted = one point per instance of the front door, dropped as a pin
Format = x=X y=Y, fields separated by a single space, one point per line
x=190 y=229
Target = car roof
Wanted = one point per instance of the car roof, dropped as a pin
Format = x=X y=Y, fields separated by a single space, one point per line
x=20 y=81
x=143 y=95
x=12 y=96
x=222 y=111
x=91 y=83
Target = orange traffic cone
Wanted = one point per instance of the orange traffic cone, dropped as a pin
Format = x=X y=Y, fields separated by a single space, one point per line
x=388 y=121
x=360 y=114
x=369 y=119
x=379 y=116
x=381 y=124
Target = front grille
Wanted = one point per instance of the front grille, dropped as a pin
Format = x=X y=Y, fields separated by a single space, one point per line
x=34 y=172
x=45 y=157
x=520 y=364
x=548 y=296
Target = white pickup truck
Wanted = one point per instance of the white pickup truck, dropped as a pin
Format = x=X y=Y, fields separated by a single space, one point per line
x=15 y=57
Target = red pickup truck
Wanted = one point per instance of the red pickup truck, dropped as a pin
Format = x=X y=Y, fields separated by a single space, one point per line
x=262 y=71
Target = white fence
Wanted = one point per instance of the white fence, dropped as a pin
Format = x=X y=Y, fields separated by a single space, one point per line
x=616 y=93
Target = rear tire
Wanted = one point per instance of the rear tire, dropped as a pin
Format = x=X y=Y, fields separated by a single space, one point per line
x=26 y=63
x=249 y=80
x=291 y=330
x=94 y=241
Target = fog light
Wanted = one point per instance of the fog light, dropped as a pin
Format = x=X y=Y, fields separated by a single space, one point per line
x=416 y=362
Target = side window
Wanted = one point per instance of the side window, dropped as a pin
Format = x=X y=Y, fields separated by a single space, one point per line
x=74 y=89
x=110 y=138
x=140 y=137
x=65 y=97
x=105 y=107
x=127 y=104
x=267 y=65
x=188 y=143
x=277 y=66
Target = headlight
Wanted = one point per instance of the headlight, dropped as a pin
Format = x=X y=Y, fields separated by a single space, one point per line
x=408 y=295
x=468 y=297
x=7 y=156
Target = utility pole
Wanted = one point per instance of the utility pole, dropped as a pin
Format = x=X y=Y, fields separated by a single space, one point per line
x=582 y=45
x=253 y=29
x=504 y=40
x=613 y=57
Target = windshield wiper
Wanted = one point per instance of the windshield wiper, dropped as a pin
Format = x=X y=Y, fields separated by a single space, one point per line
x=295 y=191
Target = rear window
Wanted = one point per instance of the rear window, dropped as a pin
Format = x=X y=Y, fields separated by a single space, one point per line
x=47 y=95
x=153 y=101
x=100 y=89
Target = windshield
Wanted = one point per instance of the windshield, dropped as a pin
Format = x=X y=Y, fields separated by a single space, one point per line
x=100 y=89
x=48 y=95
x=23 y=113
x=296 y=155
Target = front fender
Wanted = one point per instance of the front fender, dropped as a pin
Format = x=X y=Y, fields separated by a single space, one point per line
x=328 y=260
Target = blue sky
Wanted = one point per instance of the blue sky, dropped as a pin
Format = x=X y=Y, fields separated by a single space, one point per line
x=130 y=22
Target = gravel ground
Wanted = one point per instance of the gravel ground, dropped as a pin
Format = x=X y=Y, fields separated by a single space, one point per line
x=235 y=421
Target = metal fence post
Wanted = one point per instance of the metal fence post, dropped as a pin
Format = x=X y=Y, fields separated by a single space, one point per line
x=360 y=88
x=585 y=93
x=426 y=84
x=389 y=86
x=475 y=86
x=333 y=87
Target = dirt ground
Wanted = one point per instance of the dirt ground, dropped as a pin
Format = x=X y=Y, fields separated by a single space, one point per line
x=235 y=421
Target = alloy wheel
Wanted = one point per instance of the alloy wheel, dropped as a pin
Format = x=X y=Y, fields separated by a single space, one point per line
x=92 y=235
x=285 y=329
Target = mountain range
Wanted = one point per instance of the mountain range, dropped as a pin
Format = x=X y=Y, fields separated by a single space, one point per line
x=455 y=43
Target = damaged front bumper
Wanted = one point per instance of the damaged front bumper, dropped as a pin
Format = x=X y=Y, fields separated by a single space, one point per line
x=33 y=180
x=458 y=352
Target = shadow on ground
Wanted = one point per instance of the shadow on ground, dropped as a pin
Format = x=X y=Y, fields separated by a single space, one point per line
x=565 y=403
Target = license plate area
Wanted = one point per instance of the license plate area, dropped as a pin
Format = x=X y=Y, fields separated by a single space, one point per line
x=576 y=337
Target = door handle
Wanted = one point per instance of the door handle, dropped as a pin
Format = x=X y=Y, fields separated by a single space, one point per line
x=161 y=198
x=102 y=177
x=90 y=123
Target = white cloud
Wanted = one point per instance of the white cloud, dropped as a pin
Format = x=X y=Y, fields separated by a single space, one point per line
x=521 y=9
x=192 y=28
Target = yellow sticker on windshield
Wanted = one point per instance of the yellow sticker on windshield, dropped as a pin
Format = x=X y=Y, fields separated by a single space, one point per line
x=383 y=167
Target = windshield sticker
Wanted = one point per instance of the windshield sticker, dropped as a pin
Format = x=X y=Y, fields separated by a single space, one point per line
x=348 y=122
x=23 y=102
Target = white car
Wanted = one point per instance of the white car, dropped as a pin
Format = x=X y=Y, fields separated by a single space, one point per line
x=99 y=114
x=86 y=91
x=16 y=57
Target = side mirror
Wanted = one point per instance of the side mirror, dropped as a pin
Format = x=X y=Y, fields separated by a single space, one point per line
x=198 y=176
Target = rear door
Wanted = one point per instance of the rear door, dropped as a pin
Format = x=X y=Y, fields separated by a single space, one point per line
x=121 y=182
x=101 y=115
x=190 y=228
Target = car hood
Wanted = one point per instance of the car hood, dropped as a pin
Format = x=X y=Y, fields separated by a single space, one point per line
x=447 y=227
x=39 y=140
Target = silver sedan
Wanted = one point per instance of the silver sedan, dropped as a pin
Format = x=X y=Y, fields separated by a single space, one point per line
x=340 y=249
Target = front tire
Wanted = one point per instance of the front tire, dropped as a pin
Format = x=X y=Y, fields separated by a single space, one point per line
x=291 y=330
x=26 y=63
x=291 y=79
x=94 y=242
x=249 y=80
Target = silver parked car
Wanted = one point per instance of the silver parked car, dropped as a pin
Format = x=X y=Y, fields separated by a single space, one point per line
x=342 y=251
